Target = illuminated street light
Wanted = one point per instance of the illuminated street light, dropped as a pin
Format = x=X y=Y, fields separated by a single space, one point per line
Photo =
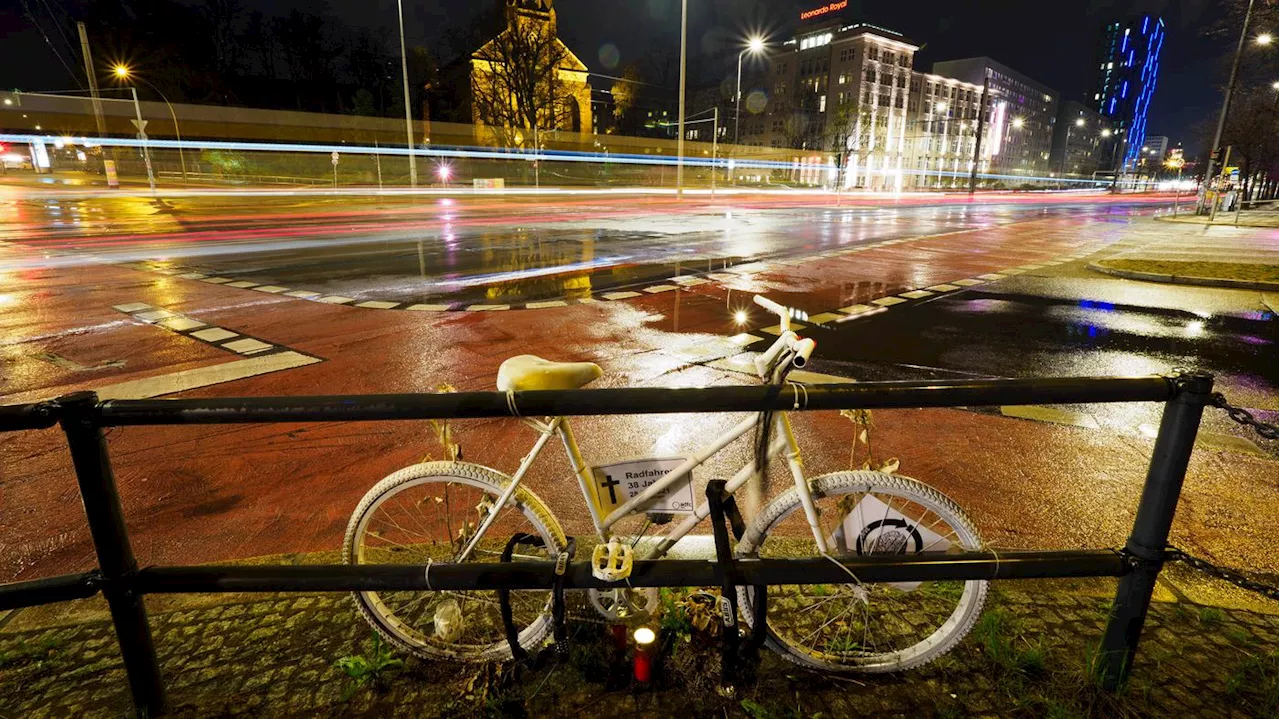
x=1017 y=123
x=444 y=172
x=1106 y=133
x=1274 y=86
x=740 y=317
x=1079 y=122
x=123 y=72
x=755 y=46
x=1264 y=39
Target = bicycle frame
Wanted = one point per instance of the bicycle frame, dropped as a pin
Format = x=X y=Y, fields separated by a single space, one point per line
x=784 y=443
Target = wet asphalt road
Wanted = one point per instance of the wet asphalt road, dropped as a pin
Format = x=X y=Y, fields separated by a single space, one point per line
x=440 y=249
x=1069 y=321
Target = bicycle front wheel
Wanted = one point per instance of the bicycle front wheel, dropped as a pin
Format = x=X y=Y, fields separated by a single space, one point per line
x=427 y=513
x=862 y=627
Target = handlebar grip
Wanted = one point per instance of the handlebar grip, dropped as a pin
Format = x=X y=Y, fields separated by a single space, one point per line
x=803 y=349
x=770 y=305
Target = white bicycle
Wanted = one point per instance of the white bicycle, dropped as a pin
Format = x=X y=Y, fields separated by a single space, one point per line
x=460 y=512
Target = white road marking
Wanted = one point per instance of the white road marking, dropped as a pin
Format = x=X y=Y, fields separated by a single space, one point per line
x=272 y=289
x=153 y=315
x=488 y=308
x=888 y=301
x=967 y=283
x=242 y=284
x=942 y=288
x=131 y=307
x=744 y=339
x=660 y=288
x=378 y=304
x=619 y=295
x=214 y=334
x=428 y=308
x=180 y=324
x=855 y=309
x=916 y=294
x=544 y=305
x=991 y=276
x=303 y=294
x=245 y=346
x=824 y=317
x=335 y=300
x=216 y=280
x=204 y=376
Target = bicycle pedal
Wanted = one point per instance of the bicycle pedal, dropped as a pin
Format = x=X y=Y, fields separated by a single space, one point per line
x=611 y=562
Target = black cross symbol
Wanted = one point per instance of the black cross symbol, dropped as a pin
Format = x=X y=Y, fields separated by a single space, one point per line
x=610 y=483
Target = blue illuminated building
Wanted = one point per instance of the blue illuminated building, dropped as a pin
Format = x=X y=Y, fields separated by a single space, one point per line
x=1128 y=62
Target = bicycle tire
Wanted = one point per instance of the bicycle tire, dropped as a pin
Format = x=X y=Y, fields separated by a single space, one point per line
x=488 y=481
x=944 y=639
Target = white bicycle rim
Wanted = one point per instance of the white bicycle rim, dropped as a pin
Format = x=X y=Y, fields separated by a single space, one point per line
x=384 y=620
x=941 y=640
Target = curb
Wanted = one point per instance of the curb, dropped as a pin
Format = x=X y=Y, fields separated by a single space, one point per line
x=1185 y=280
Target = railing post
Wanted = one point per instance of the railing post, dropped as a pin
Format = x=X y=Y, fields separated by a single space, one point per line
x=115 y=556
x=1149 y=537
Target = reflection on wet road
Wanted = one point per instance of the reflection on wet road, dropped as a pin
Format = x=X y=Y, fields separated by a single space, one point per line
x=486 y=252
x=1037 y=326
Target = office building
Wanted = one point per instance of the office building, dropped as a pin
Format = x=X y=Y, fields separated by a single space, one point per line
x=942 y=128
x=1128 y=63
x=1078 y=145
x=1018 y=132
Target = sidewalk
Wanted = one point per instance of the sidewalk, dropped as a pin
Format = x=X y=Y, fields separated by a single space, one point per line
x=273 y=655
x=1193 y=252
x=1267 y=216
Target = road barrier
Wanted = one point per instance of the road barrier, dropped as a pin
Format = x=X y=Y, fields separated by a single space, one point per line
x=123 y=584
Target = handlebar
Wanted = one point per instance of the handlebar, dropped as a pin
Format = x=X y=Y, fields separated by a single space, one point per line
x=802 y=349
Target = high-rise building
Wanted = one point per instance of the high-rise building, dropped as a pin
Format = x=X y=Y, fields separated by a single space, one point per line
x=1018 y=132
x=1078 y=144
x=1128 y=62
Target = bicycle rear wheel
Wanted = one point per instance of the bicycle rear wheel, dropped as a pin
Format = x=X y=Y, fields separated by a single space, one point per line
x=426 y=513
x=859 y=627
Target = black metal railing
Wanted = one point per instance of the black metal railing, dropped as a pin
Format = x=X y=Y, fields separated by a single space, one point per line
x=123 y=584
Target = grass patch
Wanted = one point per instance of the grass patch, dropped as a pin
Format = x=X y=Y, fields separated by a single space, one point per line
x=367 y=670
x=1250 y=272
x=39 y=650
x=1210 y=616
x=1256 y=683
x=1003 y=644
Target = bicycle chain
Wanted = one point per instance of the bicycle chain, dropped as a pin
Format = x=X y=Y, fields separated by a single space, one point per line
x=1173 y=554
x=1242 y=416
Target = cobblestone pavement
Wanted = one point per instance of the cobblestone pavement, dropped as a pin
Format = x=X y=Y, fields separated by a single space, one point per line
x=273 y=655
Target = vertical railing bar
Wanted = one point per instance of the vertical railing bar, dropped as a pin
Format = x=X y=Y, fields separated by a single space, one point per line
x=88 y=447
x=1149 y=538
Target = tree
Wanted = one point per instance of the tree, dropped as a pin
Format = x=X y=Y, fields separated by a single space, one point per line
x=1251 y=131
x=519 y=84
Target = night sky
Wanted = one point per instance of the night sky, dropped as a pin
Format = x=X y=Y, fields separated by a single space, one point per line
x=1052 y=42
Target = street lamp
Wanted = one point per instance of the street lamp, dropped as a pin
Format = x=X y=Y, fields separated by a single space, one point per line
x=1226 y=105
x=754 y=46
x=408 y=108
x=684 y=38
x=1017 y=123
x=1066 y=148
x=122 y=72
